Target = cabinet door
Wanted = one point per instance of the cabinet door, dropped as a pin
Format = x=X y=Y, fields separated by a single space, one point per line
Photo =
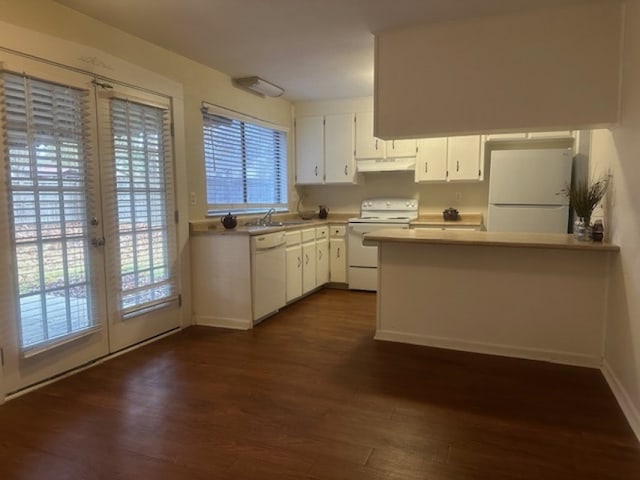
x=367 y=146
x=309 y=150
x=559 y=134
x=294 y=272
x=431 y=162
x=322 y=265
x=338 y=263
x=463 y=158
x=401 y=148
x=308 y=266
x=339 y=146
x=507 y=136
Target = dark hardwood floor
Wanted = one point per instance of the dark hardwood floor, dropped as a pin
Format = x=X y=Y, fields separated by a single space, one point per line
x=309 y=394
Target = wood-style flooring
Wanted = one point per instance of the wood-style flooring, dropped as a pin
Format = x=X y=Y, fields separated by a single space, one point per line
x=308 y=394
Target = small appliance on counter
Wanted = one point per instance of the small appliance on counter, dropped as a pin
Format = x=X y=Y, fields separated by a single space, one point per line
x=229 y=221
x=323 y=212
x=450 y=214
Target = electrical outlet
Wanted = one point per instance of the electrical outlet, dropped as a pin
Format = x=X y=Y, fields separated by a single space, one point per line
x=192 y=198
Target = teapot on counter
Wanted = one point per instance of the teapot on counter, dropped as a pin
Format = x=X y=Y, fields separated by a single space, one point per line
x=323 y=211
x=229 y=221
x=450 y=214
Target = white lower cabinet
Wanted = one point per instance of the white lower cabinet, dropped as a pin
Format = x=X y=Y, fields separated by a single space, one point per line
x=294 y=265
x=322 y=264
x=338 y=254
x=308 y=260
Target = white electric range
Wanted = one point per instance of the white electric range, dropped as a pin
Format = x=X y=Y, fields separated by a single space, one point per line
x=375 y=214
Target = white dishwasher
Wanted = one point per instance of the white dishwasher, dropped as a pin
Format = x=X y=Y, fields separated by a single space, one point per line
x=268 y=274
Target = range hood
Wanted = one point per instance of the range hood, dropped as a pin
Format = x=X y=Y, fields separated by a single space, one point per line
x=393 y=164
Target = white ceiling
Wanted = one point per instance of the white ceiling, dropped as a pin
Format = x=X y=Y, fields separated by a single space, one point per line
x=314 y=49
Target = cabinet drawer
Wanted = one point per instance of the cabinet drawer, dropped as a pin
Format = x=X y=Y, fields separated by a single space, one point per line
x=293 y=238
x=338 y=230
x=308 y=234
x=322 y=232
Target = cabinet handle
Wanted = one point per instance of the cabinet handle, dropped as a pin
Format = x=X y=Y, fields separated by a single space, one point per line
x=393 y=144
x=346 y=169
x=299 y=261
x=316 y=170
x=457 y=166
x=376 y=143
x=426 y=167
x=338 y=253
x=319 y=254
x=306 y=259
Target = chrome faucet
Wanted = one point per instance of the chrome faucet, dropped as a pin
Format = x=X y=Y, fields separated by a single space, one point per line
x=266 y=220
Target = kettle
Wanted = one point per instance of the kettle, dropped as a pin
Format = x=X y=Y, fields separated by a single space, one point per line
x=323 y=212
x=229 y=221
x=450 y=214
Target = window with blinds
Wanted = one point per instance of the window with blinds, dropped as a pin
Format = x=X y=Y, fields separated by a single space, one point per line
x=46 y=145
x=245 y=164
x=140 y=194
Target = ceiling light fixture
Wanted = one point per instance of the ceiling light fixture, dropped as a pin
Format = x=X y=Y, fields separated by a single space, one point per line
x=258 y=86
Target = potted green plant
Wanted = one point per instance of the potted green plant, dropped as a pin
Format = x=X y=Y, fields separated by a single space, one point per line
x=584 y=197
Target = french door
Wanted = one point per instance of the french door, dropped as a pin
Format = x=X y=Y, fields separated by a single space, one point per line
x=87 y=221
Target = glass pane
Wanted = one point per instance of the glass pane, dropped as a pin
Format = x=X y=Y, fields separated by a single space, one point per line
x=245 y=164
x=142 y=206
x=45 y=135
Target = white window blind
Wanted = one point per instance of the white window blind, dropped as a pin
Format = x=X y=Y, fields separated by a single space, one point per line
x=46 y=143
x=245 y=164
x=140 y=195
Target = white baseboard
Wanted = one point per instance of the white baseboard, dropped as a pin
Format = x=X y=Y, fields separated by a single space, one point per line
x=624 y=400
x=233 y=323
x=565 y=358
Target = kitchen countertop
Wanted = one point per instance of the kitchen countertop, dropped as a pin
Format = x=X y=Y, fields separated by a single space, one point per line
x=213 y=225
x=476 y=238
x=291 y=222
x=436 y=220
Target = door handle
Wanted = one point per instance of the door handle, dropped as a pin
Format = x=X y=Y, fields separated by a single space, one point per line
x=97 y=242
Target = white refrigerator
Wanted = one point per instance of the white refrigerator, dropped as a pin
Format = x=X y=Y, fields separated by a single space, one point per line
x=526 y=190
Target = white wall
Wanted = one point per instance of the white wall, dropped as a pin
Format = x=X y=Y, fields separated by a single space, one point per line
x=619 y=150
x=551 y=69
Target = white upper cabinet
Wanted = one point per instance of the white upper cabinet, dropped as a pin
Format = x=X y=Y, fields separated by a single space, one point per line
x=465 y=158
x=558 y=134
x=367 y=146
x=309 y=150
x=325 y=149
x=530 y=135
x=401 y=148
x=431 y=160
x=507 y=136
x=339 y=147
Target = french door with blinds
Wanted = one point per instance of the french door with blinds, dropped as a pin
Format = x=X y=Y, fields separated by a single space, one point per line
x=88 y=220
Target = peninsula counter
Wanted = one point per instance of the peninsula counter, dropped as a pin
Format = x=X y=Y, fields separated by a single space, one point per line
x=538 y=296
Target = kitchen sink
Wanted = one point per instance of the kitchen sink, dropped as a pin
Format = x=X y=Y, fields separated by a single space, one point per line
x=284 y=223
